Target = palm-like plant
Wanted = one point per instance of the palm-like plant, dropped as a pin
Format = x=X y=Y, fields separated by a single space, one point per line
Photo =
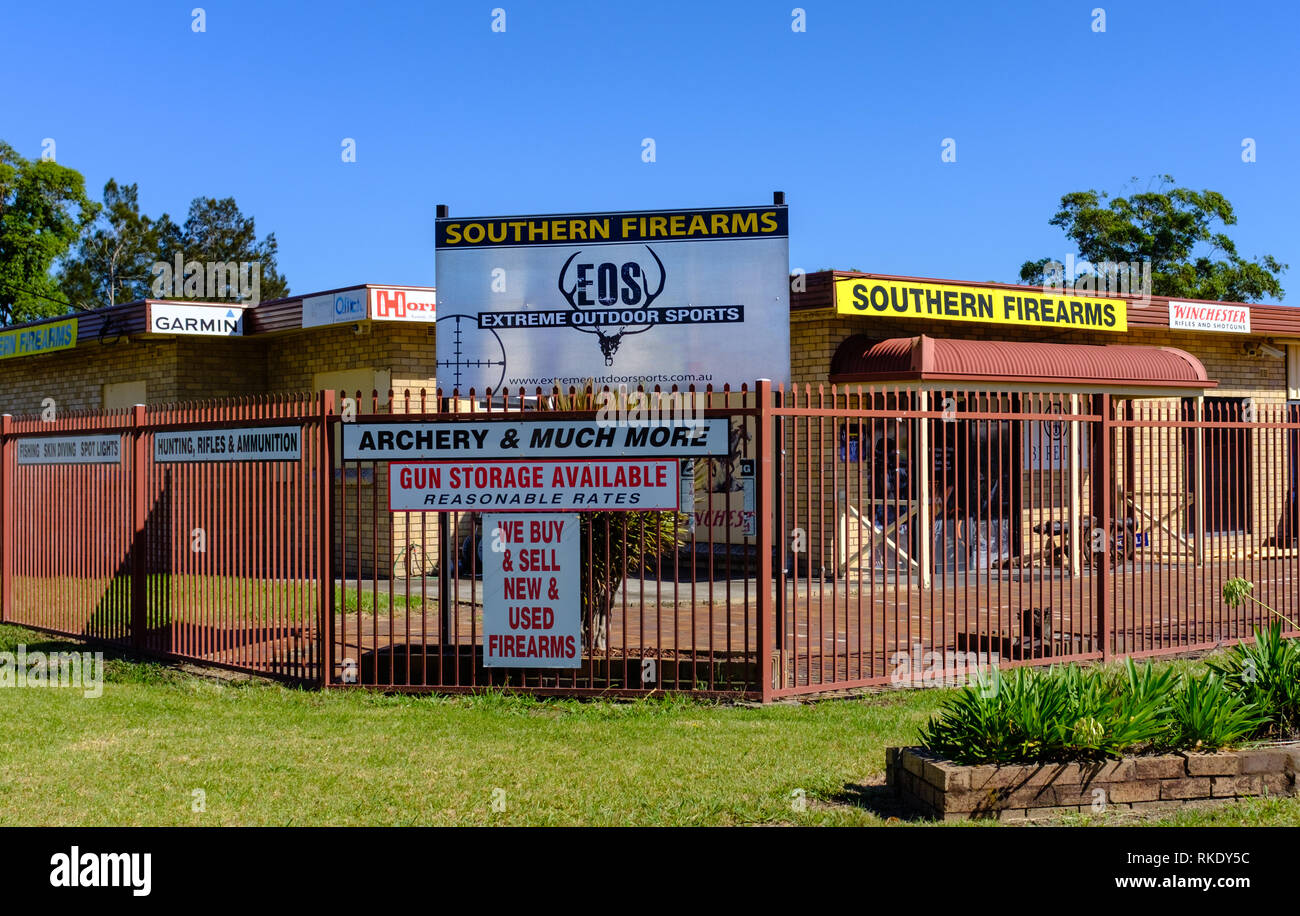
x=616 y=543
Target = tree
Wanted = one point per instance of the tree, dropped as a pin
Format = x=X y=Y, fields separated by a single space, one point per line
x=216 y=232
x=114 y=260
x=43 y=211
x=614 y=544
x=1176 y=229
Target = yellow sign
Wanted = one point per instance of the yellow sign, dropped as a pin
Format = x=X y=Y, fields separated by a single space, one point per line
x=945 y=302
x=44 y=338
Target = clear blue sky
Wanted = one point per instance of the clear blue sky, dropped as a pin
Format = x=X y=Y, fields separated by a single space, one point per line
x=848 y=118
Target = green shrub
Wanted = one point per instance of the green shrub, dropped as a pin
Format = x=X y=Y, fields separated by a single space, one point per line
x=1058 y=714
x=1266 y=674
x=1074 y=713
x=1208 y=715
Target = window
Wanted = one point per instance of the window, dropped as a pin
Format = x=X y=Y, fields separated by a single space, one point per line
x=353 y=380
x=124 y=394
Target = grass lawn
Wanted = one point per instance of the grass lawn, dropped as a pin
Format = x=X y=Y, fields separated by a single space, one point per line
x=268 y=755
x=203 y=599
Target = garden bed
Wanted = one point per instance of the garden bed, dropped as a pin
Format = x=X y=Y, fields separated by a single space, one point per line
x=934 y=787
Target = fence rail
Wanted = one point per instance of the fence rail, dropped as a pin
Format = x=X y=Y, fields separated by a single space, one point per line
x=851 y=537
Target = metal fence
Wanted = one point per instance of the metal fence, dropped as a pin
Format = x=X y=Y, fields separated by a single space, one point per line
x=851 y=537
x=932 y=532
x=685 y=619
x=211 y=561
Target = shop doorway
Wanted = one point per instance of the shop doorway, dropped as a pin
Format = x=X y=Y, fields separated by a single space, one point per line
x=1226 y=463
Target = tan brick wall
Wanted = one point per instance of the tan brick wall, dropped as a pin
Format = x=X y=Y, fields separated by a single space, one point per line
x=75 y=378
x=406 y=351
x=198 y=368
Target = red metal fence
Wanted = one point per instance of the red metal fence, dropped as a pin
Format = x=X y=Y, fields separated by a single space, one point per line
x=410 y=596
x=852 y=537
x=930 y=532
x=212 y=561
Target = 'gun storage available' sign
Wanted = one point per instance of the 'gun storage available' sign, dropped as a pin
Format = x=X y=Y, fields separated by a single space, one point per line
x=531 y=592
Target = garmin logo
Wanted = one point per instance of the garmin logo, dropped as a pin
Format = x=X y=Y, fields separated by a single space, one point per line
x=103 y=869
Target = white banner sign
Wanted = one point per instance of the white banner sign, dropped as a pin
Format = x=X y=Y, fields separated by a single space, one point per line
x=1209 y=316
x=522 y=486
x=347 y=306
x=267 y=443
x=71 y=450
x=666 y=297
x=403 y=304
x=1047 y=444
x=201 y=320
x=531 y=591
x=532 y=439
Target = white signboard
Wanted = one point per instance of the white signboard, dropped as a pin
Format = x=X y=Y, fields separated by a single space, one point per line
x=347 y=306
x=403 y=304
x=265 y=443
x=71 y=450
x=1047 y=444
x=532 y=615
x=666 y=297
x=201 y=320
x=532 y=439
x=1209 y=316
x=545 y=485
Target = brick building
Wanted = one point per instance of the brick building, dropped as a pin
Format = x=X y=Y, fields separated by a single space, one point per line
x=372 y=337
x=156 y=352
x=1247 y=366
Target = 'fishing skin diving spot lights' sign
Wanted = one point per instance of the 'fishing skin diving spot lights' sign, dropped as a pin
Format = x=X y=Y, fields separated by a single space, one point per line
x=672 y=297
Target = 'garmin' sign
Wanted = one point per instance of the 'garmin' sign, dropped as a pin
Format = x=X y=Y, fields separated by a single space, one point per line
x=199 y=320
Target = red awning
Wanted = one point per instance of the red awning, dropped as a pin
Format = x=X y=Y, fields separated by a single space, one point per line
x=859 y=359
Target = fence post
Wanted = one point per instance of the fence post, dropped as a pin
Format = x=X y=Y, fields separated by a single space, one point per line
x=764 y=447
x=325 y=537
x=1102 y=471
x=139 y=511
x=926 y=462
x=1076 y=459
x=1198 y=495
x=6 y=518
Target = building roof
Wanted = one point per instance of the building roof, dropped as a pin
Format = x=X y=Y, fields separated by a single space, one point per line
x=924 y=358
x=130 y=319
x=1265 y=320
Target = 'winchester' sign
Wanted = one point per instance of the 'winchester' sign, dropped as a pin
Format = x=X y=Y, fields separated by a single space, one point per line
x=1209 y=316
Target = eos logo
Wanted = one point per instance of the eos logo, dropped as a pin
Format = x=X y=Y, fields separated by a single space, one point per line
x=613 y=284
x=608 y=284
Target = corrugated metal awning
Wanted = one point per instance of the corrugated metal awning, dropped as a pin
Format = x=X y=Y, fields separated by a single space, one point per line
x=924 y=358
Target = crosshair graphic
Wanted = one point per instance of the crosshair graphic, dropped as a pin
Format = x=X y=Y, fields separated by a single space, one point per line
x=472 y=347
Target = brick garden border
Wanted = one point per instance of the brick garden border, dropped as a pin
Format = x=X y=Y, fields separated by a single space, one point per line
x=938 y=788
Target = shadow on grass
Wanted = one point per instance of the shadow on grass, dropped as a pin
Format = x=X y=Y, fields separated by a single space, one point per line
x=880 y=800
x=121 y=665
